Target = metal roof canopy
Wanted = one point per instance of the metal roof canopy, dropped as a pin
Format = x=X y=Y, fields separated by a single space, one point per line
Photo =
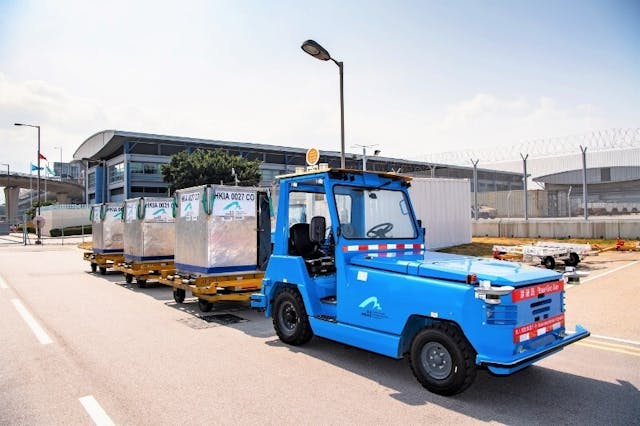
x=107 y=143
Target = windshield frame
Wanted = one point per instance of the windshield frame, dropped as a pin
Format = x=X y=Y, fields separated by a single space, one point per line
x=336 y=192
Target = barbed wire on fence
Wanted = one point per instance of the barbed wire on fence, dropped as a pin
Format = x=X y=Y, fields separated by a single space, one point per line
x=597 y=141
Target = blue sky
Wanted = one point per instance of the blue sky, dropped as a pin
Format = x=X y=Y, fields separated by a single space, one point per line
x=421 y=77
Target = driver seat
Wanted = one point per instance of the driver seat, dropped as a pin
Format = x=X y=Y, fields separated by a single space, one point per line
x=300 y=243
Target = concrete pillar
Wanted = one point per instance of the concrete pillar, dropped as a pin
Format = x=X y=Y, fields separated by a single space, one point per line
x=63 y=198
x=11 y=194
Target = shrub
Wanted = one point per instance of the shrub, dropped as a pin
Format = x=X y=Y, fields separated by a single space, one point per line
x=70 y=230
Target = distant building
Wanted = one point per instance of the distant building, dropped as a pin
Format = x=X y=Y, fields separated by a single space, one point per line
x=122 y=164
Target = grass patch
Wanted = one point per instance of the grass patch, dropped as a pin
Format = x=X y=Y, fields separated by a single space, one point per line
x=482 y=246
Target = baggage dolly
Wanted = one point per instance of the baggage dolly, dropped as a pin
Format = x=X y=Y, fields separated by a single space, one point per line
x=103 y=261
x=145 y=271
x=209 y=289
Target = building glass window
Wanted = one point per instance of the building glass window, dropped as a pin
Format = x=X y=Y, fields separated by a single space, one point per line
x=145 y=168
x=92 y=180
x=116 y=173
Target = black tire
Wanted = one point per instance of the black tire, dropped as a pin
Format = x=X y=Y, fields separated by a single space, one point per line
x=103 y=270
x=141 y=283
x=128 y=278
x=205 y=305
x=549 y=262
x=178 y=295
x=94 y=267
x=575 y=258
x=290 y=318
x=442 y=359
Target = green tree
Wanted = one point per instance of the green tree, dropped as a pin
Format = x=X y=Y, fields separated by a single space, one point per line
x=31 y=212
x=203 y=167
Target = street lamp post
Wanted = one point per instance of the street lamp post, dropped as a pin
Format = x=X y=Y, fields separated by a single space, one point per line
x=314 y=49
x=38 y=240
x=364 y=153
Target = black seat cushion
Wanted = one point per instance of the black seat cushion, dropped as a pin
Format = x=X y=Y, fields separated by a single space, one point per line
x=300 y=243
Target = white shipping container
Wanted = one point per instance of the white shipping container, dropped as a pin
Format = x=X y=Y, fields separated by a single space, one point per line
x=444 y=206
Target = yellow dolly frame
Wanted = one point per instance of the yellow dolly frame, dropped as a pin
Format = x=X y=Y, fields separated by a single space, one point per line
x=144 y=271
x=103 y=261
x=208 y=289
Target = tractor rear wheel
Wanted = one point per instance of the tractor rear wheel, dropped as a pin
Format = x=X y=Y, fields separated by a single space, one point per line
x=290 y=318
x=442 y=359
x=103 y=270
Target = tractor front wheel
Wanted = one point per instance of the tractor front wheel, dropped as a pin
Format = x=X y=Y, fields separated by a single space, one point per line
x=442 y=359
x=290 y=318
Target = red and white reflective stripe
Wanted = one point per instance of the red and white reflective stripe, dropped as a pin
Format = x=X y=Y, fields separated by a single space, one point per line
x=533 y=291
x=369 y=247
x=535 y=329
x=395 y=253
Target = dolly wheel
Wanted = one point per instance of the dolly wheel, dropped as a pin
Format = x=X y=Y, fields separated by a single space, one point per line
x=94 y=267
x=549 y=262
x=178 y=295
x=205 y=305
x=103 y=270
x=442 y=359
x=128 y=278
x=141 y=283
x=290 y=318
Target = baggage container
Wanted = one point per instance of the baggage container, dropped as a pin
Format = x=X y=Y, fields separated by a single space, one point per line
x=149 y=229
x=107 y=228
x=218 y=230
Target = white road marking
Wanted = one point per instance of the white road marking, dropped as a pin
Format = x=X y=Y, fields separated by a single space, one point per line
x=95 y=411
x=609 y=272
x=3 y=284
x=616 y=339
x=41 y=335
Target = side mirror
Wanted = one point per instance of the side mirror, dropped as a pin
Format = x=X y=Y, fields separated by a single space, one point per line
x=317 y=229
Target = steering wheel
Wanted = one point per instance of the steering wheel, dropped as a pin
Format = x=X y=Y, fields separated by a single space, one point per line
x=380 y=230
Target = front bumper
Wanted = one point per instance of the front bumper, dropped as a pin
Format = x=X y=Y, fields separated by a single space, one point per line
x=510 y=365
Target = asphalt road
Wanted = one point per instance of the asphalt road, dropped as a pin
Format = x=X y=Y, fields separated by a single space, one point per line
x=110 y=352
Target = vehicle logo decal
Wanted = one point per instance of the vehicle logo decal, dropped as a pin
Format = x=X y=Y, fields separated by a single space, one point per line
x=369 y=301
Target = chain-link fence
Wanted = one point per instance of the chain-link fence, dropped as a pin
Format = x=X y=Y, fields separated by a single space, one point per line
x=599 y=170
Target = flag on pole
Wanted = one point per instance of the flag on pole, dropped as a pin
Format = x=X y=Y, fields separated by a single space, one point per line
x=42 y=156
x=51 y=172
x=34 y=168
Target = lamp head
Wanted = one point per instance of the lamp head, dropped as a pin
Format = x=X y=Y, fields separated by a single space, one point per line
x=315 y=50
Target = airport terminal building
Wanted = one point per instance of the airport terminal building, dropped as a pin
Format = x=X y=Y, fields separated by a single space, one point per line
x=121 y=164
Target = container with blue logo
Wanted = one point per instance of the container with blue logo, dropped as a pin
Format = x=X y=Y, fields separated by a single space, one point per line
x=107 y=227
x=149 y=229
x=217 y=229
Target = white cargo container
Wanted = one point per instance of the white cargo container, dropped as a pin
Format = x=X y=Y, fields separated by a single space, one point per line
x=107 y=228
x=221 y=229
x=149 y=230
x=444 y=206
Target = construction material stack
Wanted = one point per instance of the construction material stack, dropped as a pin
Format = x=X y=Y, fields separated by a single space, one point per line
x=149 y=238
x=222 y=243
x=106 y=228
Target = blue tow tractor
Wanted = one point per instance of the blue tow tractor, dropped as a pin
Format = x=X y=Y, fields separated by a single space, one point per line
x=357 y=273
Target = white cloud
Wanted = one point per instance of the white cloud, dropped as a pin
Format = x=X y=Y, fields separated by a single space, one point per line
x=487 y=121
